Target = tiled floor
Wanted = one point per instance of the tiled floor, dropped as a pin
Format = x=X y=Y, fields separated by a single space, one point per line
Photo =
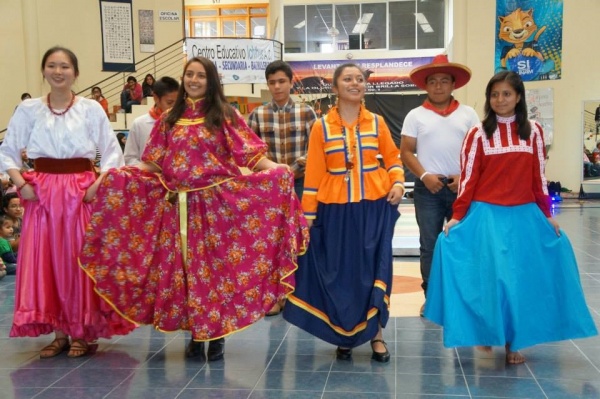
x=275 y=360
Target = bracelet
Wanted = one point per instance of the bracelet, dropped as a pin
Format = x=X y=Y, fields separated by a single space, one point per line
x=423 y=175
x=22 y=185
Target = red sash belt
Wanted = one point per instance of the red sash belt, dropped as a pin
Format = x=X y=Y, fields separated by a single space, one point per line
x=62 y=166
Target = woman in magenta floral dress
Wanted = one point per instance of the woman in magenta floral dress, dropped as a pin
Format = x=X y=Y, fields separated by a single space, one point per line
x=187 y=241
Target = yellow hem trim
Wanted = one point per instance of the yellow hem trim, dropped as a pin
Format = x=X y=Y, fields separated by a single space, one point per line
x=323 y=317
x=136 y=324
x=112 y=305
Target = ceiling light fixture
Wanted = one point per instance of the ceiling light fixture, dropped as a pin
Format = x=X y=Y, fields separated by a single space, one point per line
x=363 y=23
x=423 y=22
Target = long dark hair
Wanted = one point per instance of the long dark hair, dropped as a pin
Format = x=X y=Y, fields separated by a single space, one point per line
x=216 y=108
x=489 y=122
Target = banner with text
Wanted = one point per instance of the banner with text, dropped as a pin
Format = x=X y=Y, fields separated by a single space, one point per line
x=383 y=75
x=238 y=60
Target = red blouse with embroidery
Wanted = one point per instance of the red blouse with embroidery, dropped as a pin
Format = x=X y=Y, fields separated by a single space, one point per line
x=502 y=170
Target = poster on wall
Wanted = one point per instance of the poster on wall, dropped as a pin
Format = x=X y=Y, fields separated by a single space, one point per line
x=116 y=20
x=146 y=21
x=383 y=75
x=540 y=108
x=238 y=60
x=529 y=38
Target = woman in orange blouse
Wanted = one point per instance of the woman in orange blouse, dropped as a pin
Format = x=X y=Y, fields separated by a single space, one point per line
x=343 y=283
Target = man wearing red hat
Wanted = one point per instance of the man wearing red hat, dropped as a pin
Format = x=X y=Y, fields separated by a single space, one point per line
x=435 y=132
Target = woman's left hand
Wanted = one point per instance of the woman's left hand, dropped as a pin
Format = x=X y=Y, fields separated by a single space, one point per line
x=554 y=224
x=395 y=195
x=451 y=223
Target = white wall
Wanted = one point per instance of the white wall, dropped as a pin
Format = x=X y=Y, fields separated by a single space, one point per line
x=29 y=27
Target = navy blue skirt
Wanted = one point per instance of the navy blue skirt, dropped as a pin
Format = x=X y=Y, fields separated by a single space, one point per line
x=502 y=275
x=344 y=281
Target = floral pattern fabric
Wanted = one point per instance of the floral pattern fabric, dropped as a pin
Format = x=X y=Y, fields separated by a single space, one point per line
x=243 y=232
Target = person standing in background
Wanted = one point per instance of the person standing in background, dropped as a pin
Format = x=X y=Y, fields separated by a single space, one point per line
x=435 y=132
x=165 y=94
x=61 y=131
x=284 y=125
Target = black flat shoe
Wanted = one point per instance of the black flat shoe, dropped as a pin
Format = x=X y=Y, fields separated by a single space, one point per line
x=381 y=357
x=216 y=349
x=194 y=350
x=343 y=353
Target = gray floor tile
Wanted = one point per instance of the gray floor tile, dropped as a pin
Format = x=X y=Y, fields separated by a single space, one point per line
x=273 y=359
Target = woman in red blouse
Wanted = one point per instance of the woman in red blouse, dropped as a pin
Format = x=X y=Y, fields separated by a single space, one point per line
x=503 y=272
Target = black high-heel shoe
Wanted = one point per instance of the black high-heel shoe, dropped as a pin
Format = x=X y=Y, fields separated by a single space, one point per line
x=381 y=357
x=216 y=349
x=343 y=353
x=194 y=350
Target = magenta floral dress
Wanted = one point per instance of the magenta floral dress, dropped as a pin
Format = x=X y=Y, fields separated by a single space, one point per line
x=200 y=247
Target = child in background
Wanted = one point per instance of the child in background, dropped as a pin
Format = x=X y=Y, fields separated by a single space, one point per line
x=7 y=255
x=2 y=270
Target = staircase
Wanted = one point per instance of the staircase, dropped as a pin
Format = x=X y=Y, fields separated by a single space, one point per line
x=121 y=121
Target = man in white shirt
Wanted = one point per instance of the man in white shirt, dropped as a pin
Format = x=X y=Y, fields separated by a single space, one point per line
x=164 y=93
x=435 y=132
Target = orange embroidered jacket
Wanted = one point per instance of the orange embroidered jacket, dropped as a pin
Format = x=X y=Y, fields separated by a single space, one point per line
x=331 y=179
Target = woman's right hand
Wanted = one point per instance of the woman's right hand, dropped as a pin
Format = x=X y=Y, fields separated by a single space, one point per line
x=28 y=193
x=451 y=223
x=309 y=222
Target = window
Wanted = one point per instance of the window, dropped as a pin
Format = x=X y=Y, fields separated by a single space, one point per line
x=294 y=29
x=361 y=26
x=227 y=21
x=319 y=27
x=388 y=24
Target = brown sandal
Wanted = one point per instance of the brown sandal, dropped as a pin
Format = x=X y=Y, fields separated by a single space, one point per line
x=55 y=348
x=81 y=348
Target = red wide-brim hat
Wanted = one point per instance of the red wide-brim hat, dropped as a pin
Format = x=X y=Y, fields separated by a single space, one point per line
x=440 y=64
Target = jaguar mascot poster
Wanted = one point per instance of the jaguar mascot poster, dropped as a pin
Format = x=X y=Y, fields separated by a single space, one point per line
x=529 y=38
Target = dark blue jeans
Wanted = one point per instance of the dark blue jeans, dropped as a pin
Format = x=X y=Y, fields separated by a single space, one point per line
x=431 y=210
x=126 y=101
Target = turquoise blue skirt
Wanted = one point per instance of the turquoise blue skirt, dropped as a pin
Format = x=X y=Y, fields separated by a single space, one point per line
x=502 y=275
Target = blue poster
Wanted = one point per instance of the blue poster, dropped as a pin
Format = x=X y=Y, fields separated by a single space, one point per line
x=529 y=38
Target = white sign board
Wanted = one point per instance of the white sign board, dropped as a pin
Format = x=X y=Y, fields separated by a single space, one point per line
x=171 y=16
x=238 y=60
